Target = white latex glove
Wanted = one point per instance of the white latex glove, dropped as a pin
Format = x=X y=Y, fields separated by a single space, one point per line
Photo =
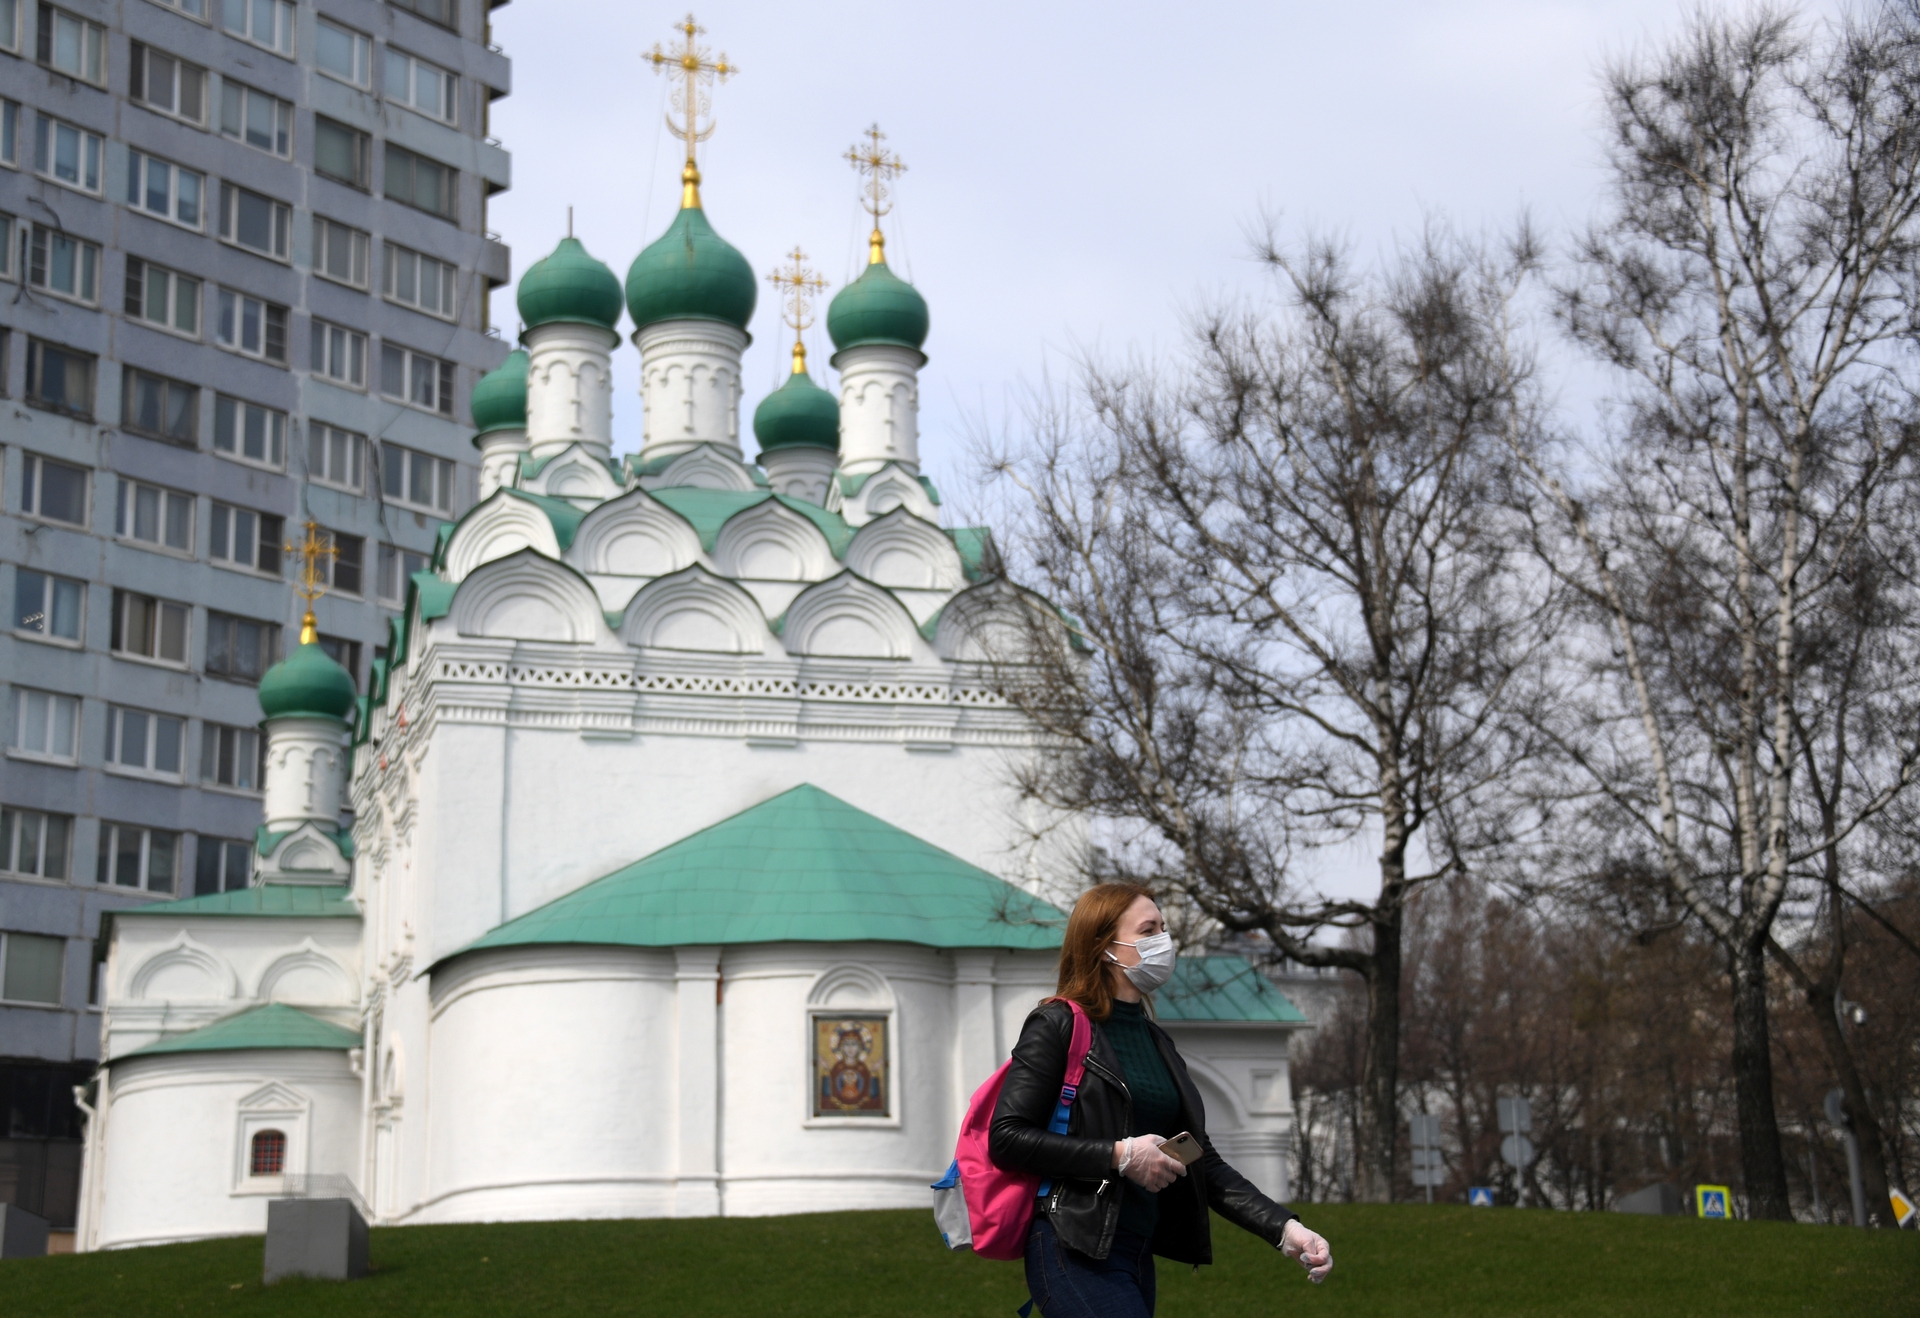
x=1140 y=1161
x=1308 y=1249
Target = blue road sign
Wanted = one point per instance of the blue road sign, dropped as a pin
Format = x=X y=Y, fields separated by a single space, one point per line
x=1479 y=1196
x=1711 y=1201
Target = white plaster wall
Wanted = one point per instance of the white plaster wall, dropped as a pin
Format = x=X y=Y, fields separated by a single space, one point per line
x=170 y=1153
x=534 y=1121
x=1241 y=1073
x=689 y=385
x=879 y=407
x=306 y=771
x=569 y=388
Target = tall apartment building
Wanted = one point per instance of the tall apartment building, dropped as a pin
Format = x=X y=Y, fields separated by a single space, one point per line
x=246 y=262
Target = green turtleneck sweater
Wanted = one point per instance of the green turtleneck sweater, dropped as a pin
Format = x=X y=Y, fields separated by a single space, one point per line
x=1156 y=1103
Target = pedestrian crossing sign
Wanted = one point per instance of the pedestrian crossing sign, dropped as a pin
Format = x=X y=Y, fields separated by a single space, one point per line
x=1711 y=1200
x=1479 y=1196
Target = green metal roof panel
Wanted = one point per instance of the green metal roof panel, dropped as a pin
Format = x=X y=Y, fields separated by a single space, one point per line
x=708 y=510
x=273 y=1026
x=975 y=543
x=1222 y=988
x=832 y=525
x=436 y=596
x=802 y=867
x=326 y=900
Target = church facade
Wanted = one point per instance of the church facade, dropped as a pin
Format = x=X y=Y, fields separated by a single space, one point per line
x=685 y=873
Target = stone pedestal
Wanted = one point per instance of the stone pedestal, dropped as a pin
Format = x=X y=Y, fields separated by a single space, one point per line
x=325 y=1238
x=22 y=1235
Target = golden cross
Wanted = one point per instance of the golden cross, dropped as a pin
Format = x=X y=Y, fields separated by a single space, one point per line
x=878 y=164
x=691 y=63
x=798 y=286
x=316 y=548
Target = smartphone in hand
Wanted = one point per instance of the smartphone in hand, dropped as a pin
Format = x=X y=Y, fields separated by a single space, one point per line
x=1182 y=1148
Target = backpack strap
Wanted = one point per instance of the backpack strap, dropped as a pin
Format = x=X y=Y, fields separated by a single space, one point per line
x=1078 y=1046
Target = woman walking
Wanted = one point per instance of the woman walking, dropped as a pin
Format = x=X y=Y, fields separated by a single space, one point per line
x=1114 y=1199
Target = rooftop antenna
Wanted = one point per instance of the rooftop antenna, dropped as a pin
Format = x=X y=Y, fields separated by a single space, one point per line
x=878 y=165
x=315 y=548
x=798 y=286
x=569 y=221
x=691 y=63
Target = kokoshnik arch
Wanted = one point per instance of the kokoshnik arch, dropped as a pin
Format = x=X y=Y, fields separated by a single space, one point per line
x=685 y=873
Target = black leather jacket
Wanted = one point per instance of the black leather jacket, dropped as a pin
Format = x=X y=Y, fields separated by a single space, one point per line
x=1084 y=1201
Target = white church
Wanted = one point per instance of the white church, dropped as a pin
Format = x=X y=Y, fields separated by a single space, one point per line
x=685 y=874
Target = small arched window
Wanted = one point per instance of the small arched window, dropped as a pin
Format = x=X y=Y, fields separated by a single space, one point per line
x=268 y=1155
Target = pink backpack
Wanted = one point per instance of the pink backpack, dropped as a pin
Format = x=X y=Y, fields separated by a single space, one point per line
x=979 y=1204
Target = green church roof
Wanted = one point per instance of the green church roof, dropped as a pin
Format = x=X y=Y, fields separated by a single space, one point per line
x=307 y=684
x=798 y=414
x=878 y=307
x=1222 y=988
x=499 y=398
x=802 y=867
x=691 y=273
x=326 y=900
x=568 y=285
x=272 y=1026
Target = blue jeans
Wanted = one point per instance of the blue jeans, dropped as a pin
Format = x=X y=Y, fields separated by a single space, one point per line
x=1069 y=1284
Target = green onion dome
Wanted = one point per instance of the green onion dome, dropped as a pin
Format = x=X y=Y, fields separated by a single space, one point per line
x=878 y=307
x=307 y=683
x=691 y=273
x=798 y=413
x=499 y=398
x=568 y=285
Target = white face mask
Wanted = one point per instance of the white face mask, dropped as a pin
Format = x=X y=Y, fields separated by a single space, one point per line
x=1156 y=962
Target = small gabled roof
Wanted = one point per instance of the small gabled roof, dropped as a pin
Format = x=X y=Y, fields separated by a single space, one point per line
x=272 y=1026
x=1223 y=988
x=269 y=899
x=802 y=867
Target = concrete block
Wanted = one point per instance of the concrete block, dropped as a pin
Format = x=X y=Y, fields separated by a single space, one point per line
x=1658 y=1200
x=22 y=1235
x=324 y=1238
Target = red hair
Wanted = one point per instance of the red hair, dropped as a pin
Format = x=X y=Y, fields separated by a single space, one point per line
x=1092 y=926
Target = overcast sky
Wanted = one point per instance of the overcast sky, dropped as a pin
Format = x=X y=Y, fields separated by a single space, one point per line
x=1079 y=175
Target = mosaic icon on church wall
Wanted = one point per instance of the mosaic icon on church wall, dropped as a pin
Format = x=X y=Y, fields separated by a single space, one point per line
x=850 y=1066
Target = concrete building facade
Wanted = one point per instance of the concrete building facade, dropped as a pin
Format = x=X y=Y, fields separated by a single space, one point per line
x=244 y=272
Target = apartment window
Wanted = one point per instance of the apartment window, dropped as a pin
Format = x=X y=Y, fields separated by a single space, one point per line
x=336 y=457
x=160 y=408
x=240 y=537
x=152 y=516
x=240 y=647
x=342 y=153
x=46 y=724
x=230 y=757
x=221 y=865
x=10 y=26
x=266 y=23
x=343 y=652
x=194 y=8
x=47 y=606
x=340 y=252
x=252 y=116
x=144 y=742
x=344 y=571
x=342 y=53
x=257 y=223
x=434 y=11
x=419 y=281
x=249 y=432
x=67 y=153
x=159 y=187
x=63 y=265
x=149 y=628
x=419 y=85
x=397 y=567
x=249 y=326
x=72 y=45
x=35 y=843
x=135 y=857
x=60 y=380
x=340 y=354
x=412 y=477
x=163 y=297
x=419 y=182
x=9 y=132
x=56 y=491
x=416 y=378
x=30 y=967
x=169 y=85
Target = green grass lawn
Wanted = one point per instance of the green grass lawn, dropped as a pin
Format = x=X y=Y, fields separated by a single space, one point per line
x=1407 y=1261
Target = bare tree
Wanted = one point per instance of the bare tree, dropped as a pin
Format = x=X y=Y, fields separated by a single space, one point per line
x=1289 y=565
x=1753 y=288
